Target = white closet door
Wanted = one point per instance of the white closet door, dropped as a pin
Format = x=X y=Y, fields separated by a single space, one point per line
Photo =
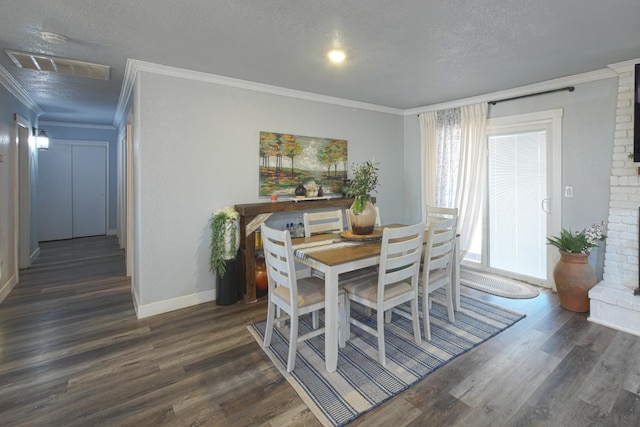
x=54 y=193
x=89 y=190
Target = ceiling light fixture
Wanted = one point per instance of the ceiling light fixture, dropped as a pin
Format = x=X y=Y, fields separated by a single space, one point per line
x=42 y=140
x=337 y=56
x=52 y=37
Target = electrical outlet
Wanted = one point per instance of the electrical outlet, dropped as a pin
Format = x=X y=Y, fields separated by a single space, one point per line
x=568 y=192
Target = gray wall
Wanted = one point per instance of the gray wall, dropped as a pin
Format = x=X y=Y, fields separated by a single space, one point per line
x=588 y=127
x=9 y=105
x=196 y=149
x=83 y=133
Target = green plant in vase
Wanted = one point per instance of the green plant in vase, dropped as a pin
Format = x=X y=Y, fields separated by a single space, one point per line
x=362 y=214
x=224 y=239
x=573 y=275
x=580 y=241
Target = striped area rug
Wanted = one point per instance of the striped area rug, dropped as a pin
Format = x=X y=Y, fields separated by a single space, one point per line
x=360 y=383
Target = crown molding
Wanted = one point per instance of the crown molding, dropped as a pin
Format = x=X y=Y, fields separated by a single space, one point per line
x=16 y=90
x=134 y=66
x=626 y=66
x=591 y=76
x=75 y=125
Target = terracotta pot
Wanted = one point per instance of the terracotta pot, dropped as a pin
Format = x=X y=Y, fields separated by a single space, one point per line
x=574 y=276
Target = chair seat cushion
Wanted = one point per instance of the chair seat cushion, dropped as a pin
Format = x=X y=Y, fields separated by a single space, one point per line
x=437 y=275
x=367 y=288
x=310 y=292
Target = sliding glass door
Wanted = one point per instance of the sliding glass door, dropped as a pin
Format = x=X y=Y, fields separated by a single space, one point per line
x=522 y=200
x=517 y=178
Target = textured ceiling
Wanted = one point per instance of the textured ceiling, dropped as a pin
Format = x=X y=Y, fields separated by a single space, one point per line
x=402 y=54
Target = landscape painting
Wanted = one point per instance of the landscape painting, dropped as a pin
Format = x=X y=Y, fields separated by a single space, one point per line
x=288 y=160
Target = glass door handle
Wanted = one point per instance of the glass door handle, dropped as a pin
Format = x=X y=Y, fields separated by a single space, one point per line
x=544 y=205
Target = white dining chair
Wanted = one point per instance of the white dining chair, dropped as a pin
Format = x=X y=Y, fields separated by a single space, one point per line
x=396 y=283
x=437 y=266
x=322 y=222
x=289 y=294
x=438 y=212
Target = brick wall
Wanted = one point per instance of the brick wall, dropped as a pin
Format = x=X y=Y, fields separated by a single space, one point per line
x=621 y=256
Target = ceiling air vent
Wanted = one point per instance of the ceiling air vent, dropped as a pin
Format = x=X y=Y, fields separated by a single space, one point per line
x=70 y=67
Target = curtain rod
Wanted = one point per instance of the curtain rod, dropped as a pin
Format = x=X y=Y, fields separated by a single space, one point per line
x=569 y=88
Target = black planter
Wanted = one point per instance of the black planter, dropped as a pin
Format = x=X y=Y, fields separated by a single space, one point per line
x=228 y=292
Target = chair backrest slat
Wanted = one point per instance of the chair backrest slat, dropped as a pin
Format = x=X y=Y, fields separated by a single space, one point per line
x=278 y=255
x=440 y=243
x=322 y=222
x=400 y=255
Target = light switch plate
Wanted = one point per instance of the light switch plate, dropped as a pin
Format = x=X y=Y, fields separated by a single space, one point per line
x=568 y=192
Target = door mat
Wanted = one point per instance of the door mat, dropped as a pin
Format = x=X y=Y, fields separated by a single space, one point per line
x=497 y=285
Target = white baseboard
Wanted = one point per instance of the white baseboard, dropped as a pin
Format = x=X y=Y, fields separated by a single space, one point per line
x=7 y=287
x=112 y=232
x=166 y=306
x=34 y=256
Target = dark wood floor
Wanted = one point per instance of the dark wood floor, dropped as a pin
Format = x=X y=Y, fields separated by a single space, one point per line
x=73 y=353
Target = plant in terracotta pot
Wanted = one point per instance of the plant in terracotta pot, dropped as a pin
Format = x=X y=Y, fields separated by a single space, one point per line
x=362 y=214
x=225 y=238
x=573 y=274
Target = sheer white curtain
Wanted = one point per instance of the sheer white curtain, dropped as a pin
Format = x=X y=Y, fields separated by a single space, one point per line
x=440 y=149
x=453 y=147
x=448 y=154
x=471 y=171
x=428 y=149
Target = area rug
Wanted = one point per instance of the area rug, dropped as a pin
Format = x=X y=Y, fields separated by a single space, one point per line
x=496 y=285
x=360 y=383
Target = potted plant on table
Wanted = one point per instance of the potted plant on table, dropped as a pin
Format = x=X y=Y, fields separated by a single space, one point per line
x=573 y=274
x=225 y=238
x=362 y=214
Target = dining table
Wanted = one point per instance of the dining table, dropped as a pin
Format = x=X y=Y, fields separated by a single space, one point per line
x=333 y=256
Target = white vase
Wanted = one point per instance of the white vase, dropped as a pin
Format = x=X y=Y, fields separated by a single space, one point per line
x=231 y=230
x=363 y=219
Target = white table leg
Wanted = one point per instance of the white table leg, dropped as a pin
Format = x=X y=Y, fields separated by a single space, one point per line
x=331 y=320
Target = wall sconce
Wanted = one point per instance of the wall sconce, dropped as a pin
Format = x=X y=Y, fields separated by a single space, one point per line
x=42 y=140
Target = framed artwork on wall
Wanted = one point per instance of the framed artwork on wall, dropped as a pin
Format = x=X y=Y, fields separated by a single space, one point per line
x=289 y=160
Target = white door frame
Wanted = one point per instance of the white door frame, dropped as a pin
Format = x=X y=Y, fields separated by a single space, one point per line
x=551 y=121
x=121 y=224
x=22 y=206
x=129 y=198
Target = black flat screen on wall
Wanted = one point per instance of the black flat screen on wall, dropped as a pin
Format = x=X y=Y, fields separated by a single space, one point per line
x=636 y=117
